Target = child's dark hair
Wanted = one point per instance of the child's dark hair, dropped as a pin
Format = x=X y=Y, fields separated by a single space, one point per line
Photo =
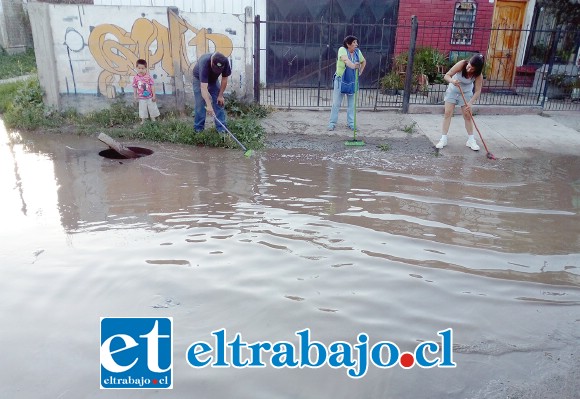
x=141 y=61
x=477 y=62
x=348 y=40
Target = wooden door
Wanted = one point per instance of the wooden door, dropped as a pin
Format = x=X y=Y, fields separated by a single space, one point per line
x=507 y=23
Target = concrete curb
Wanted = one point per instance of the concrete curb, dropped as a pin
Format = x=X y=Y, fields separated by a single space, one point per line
x=17 y=78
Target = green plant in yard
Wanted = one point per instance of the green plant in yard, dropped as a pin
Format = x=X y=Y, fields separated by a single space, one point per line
x=392 y=81
x=430 y=61
x=7 y=93
x=26 y=109
x=249 y=131
x=563 y=80
x=239 y=108
x=401 y=61
x=119 y=114
x=410 y=128
x=384 y=147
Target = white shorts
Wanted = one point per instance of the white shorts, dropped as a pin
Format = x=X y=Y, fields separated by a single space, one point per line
x=148 y=108
x=453 y=96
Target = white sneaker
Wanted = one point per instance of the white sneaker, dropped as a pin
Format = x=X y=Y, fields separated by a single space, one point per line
x=472 y=144
x=442 y=142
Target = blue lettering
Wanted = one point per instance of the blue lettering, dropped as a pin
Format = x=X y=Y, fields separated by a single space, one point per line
x=306 y=346
x=236 y=346
x=220 y=347
x=257 y=353
x=340 y=355
x=447 y=348
x=283 y=355
x=363 y=361
x=377 y=358
x=192 y=354
x=420 y=354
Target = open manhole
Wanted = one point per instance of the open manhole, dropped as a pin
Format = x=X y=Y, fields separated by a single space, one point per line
x=112 y=154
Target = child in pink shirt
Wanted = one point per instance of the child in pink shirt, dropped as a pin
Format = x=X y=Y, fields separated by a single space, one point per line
x=144 y=90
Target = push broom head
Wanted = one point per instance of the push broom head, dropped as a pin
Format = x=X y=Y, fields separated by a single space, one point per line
x=354 y=142
x=248 y=153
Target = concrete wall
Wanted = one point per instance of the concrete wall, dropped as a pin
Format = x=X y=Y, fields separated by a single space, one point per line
x=13 y=26
x=219 y=6
x=92 y=50
x=259 y=7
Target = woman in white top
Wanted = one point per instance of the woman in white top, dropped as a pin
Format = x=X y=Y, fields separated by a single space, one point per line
x=464 y=74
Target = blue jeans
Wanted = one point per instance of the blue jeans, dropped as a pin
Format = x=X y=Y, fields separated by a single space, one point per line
x=336 y=101
x=200 y=110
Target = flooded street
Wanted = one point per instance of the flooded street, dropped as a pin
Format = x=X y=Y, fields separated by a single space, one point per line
x=342 y=242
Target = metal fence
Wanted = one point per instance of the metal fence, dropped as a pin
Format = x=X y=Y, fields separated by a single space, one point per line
x=300 y=60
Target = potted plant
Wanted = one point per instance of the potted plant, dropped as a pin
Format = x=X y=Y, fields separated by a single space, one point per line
x=560 y=85
x=401 y=62
x=431 y=62
x=391 y=83
x=576 y=89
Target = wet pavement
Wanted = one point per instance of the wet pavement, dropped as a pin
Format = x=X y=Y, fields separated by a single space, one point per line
x=399 y=244
x=506 y=136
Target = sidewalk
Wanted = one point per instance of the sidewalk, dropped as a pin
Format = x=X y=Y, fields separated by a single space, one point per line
x=506 y=136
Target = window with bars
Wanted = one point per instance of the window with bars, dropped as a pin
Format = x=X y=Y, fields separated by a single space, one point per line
x=463 y=23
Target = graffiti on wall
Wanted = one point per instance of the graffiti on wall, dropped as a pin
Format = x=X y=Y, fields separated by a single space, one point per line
x=115 y=50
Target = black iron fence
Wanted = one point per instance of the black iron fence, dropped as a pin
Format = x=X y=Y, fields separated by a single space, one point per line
x=294 y=66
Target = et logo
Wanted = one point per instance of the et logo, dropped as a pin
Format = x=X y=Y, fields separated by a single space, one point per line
x=136 y=353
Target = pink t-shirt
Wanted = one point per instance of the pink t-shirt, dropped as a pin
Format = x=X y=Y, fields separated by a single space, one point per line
x=143 y=84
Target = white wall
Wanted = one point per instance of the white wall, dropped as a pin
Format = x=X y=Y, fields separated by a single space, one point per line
x=3 y=41
x=527 y=24
x=217 y=6
x=95 y=47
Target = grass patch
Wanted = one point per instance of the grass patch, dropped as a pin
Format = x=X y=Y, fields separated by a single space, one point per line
x=15 y=65
x=384 y=147
x=23 y=108
x=410 y=128
x=7 y=93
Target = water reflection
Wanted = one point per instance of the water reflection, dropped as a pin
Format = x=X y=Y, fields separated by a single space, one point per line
x=341 y=243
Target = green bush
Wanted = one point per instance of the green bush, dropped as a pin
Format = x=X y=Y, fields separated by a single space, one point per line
x=239 y=108
x=428 y=61
x=431 y=62
x=564 y=81
x=248 y=130
x=392 y=81
x=26 y=109
x=119 y=114
x=7 y=93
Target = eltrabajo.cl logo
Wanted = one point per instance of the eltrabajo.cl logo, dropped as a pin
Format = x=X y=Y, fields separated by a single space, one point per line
x=136 y=352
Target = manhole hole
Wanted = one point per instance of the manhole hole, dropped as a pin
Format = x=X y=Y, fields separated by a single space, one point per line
x=112 y=154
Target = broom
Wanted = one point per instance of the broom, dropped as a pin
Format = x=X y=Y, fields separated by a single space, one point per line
x=489 y=155
x=354 y=141
x=247 y=153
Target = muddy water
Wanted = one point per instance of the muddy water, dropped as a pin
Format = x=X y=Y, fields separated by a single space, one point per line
x=341 y=242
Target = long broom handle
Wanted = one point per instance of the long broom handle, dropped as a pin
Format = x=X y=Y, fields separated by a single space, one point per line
x=355 y=99
x=230 y=133
x=473 y=120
